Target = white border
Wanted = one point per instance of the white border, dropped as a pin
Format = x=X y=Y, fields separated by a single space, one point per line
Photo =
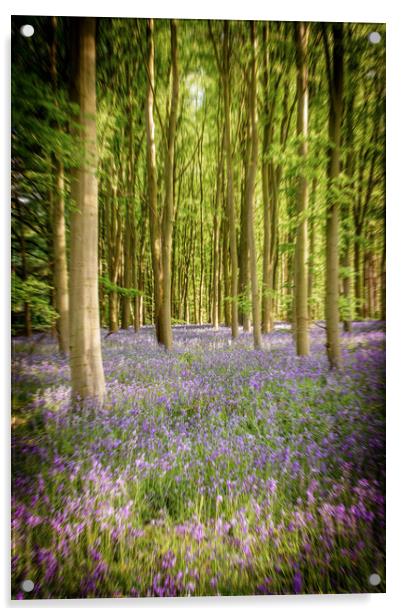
x=340 y=10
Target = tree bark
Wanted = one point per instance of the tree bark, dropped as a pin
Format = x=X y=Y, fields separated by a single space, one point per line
x=168 y=213
x=60 y=274
x=311 y=266
x=215 y=276
x=154 y=224
x=229 y=171
x=250 y=188
x=129 y=256
x=225 y=270
x=244 y=264
x=346 y=209
x=87 y=378
x=114 y=253
x=335 y=86
x=266 y=324
x=301 y=252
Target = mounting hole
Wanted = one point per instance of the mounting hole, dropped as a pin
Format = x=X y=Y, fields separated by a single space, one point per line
x=374 y=37
x=374 y=579
x=27 y=585
x=27 y=30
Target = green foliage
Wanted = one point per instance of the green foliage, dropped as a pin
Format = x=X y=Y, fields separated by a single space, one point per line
x=110 y=287
x=348 y=307
x=42 y=120
x=36 y=293
x=244 y=302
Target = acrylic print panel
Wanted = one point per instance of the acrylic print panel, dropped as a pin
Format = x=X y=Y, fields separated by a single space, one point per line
x=198 y=308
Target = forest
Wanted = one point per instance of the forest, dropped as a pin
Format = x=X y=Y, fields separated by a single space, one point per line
x=197 y=307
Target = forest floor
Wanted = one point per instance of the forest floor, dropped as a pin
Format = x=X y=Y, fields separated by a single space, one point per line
x=213 y=469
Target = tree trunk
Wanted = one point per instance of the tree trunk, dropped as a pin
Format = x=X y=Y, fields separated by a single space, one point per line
x=335 y=85
x=140 y=314
x=229 y=171
x=370 y=285
x=250 y=188
x=129 y=256
x=301 y=252
x=311 y=268
x=154 y=224
x=215 y=277
x=346 y=287
x=347 y=208
x=244 y=265
x=202 y=264
x=87 y=378
x=114 y=254
x=359 y=299
x=383 y=285
x=225 y=270
x=60 y=275
x=168 y=213
x=266 y=325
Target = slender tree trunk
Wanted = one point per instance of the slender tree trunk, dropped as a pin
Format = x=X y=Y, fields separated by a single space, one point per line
x=244 y=269
x=60 y=275
x=141 y=267
x=275 y=175
x=335 y=85
x=229 y=171
x=202 y=264
x=311 y=260
x=357 y=258
x=168 y=213
x=266 y=324
x=371 y=285
x=250 y=188
x=383 y=285
x=346 y=286
x=130 y=271
x=115 y=253
x=301 y=253
x=215 y=278
x=113 y=312
x=87 y=378
x=195 y=296
x=129 y=257
x=347 y=208
x=154 y=224
x=225 y=270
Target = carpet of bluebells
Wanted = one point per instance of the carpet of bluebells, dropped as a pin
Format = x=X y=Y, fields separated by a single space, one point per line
x=211 y=470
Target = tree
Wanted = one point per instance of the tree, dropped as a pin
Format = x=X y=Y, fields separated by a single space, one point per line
x=267 y=273
x=224 y=65
x=154 y=224
x=250 y=186
x=87 y=378
x=301 y=253
x=161 y=238
x=231 y=214
x=60 y=275
x=168 y=212
x=334 y=64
